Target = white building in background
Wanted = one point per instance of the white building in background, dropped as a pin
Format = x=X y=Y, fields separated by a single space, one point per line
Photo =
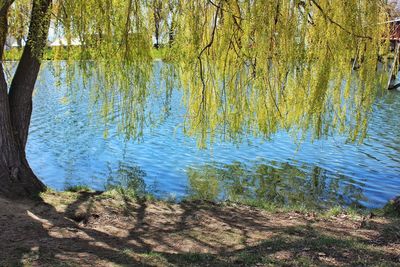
x=62 y=41
x=11 y=42
x=59 y=41
x=397 y=2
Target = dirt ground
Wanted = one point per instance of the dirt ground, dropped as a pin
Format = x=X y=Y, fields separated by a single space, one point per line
x=89 y=229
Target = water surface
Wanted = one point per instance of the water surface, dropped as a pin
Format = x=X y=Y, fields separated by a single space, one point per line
x=67 y=146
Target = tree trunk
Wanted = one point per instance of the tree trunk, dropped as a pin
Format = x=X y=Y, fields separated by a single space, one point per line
x=157 y=5
x=19 y=42
x=16 y=177
x=171 y=34
x=23 y=83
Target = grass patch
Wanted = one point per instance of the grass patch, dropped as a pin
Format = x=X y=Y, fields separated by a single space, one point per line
x=136 y=191
x=78 y=188
x=248 y=258
x=338 y=210
x=160 y=53
x=196 y=257
x=392 y=208
x=335 y=211
x=120 y=192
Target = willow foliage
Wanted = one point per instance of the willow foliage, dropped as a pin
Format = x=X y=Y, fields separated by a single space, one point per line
x=259 y=66
x=245 y=66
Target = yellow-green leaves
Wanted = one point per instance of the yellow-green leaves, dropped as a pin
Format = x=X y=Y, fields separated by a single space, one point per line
x=269 y=65
x=245 y=67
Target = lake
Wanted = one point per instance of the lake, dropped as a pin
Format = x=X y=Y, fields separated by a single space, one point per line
x=67 y=146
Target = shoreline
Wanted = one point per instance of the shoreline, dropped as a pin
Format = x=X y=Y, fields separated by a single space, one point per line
x=390 y=208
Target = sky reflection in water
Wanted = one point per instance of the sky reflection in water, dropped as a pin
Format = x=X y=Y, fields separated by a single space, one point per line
x=67 y=146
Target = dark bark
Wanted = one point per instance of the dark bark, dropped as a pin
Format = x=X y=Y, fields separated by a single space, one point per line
x=157 y=6
x=16 y=177
x=19 y=42
x=171 y=27
x=171 y=34
x=24 y=80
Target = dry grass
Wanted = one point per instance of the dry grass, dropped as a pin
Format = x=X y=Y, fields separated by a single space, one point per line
x=89 y=229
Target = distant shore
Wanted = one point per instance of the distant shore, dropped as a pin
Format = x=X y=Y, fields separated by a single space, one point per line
x=68 y=53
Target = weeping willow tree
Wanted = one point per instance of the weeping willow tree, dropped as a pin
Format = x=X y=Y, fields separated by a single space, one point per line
x=245 y=66
x=254 y=67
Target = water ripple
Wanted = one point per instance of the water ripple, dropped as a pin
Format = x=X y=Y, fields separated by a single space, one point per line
x=67 y=146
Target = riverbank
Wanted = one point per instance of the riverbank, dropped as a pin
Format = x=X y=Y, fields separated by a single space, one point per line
x=101 y=229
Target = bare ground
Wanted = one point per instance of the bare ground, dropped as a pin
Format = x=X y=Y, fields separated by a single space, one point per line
x=87 y=229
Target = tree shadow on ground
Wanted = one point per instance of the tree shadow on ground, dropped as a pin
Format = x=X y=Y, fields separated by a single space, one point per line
x=92 y=231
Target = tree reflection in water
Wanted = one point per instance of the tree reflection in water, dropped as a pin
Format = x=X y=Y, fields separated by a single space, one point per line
x=263 y=183
x=128 y=180
x=274 y=183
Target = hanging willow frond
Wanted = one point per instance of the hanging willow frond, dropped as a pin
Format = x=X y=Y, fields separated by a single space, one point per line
x=245 y=67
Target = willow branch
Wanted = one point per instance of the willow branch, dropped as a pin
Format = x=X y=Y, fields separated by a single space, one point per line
x=204 y=49
x=337 y=24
